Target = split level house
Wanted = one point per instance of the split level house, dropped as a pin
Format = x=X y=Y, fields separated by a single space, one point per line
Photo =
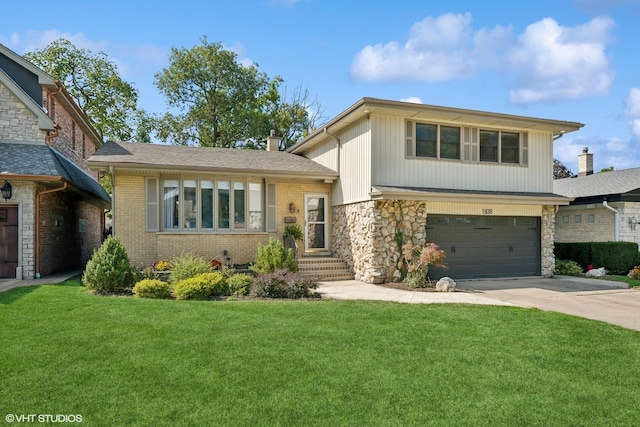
x=380 y=174
x=52 y=206
x=605 y=205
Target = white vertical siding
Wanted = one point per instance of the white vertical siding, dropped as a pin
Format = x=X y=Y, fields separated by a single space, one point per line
x=325 y=154
x=354 y=183
x=391 y=168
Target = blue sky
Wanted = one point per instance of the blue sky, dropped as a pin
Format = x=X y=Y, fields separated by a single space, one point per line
x=575 y=60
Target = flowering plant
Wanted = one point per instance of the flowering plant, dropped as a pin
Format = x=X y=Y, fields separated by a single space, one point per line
x=634 y=273
x=418 y=258
x=162 y=265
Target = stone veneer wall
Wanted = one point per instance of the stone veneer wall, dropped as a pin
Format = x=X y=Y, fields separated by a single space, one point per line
x=365 y=235
x=548 y=235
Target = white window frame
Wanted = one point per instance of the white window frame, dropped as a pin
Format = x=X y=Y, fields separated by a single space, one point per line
x=412 y=139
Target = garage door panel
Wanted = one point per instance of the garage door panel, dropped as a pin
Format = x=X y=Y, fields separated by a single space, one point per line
x=486 y=246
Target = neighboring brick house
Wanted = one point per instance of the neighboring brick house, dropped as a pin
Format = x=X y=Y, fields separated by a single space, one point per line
x=477 y=183
x=54 y=218
x=605 y=206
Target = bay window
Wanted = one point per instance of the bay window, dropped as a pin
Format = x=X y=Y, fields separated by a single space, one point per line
x=204 y=205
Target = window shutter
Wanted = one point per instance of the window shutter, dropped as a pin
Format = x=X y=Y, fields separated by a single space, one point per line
x=410 y=141
x=475 y=145
x=272 y=223
x=525 y=149
x=466 y=144
x=152 y=203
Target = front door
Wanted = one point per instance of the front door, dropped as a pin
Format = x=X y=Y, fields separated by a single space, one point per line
x=8 y=242
x=315 y=230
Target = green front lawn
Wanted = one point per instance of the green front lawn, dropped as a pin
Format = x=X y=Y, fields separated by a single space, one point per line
x=127 y=361
x=625 y=279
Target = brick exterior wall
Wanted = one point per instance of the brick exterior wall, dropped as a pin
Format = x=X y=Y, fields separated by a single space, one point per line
x=144 y=248
x=63 y=244
x=602 y=229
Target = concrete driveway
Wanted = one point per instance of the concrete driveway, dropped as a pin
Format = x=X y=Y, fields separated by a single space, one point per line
x=607 y=301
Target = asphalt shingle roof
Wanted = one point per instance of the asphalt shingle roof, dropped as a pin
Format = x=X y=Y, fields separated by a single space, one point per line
x=599 y=184
x=42 y=160
x=205 y=158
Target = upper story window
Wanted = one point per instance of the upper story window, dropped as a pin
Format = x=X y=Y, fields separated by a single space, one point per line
x=437 y=141
x=465 y=143
x=203 y=205
x=499 y=147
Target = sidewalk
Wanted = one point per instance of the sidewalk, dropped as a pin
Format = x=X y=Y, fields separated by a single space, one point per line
x=355 y=290
x=50 y=279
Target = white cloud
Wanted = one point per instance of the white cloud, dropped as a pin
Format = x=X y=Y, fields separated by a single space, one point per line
x=413 y=99
x=611 y=151
x=554 y=63
x=32 y=40
x=438 y=49
x=546 y=63
x=632 y=110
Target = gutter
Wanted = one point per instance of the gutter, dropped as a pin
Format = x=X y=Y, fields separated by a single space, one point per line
x=616 y=220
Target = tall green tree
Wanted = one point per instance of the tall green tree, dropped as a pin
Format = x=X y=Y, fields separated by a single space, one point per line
x=218 y=102
x=95 y=84
x=560 y=170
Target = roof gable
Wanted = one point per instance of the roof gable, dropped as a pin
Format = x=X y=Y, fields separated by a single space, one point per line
x=44 y=121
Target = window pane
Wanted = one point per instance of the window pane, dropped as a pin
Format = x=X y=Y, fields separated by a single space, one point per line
x=238 y=205
x=255 y=206
x=426 y=140
x=510 y=150
x=206 y=204
x=449 y=142
x=189 y=212
x=170 y=204
x=488 y=146
x=223 y=204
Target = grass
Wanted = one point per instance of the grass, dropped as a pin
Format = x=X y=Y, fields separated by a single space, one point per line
x=128 y=361
x=633 y=283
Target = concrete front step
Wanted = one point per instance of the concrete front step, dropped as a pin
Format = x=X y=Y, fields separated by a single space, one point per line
x=325 y=268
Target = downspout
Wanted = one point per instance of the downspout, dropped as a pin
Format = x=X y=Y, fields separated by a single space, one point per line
x=113 y=201
x=57 y=127
x=617 y=219
x=37 y=224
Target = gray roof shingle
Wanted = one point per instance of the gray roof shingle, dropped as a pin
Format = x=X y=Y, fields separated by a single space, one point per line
x=42 y=160
x=206 y=158
x=599 y=184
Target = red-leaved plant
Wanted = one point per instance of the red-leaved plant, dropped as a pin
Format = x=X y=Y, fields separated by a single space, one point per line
x=418 y=258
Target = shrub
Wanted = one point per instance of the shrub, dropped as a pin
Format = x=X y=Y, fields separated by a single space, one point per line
x=273 y=257
x=616 y=257
x=634 y=273
x=109 y=269
x=567 y=268
x=152 y=288
x=293 y=230
x=239 y=284
x=282 y=284
x=418 y=258
x=162 y=265
x=188 y=265
x=201 y=287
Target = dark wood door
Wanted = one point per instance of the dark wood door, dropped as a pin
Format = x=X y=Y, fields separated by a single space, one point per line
x=8 y=241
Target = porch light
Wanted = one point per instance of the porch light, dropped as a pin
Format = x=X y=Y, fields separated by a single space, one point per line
x=6 y=190
x=292 y=208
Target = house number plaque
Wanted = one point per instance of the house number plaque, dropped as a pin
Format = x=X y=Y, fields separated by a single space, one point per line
x=487 y=211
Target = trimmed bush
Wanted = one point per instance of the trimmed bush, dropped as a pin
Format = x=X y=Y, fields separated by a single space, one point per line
x=615 y=257
x=578 y=252
x=188 y=265
x=239 y=284
x=152 y=288
x=109 y=269
x=273 y=257
x=201 y=287
x=567 y=268
x=282 y=284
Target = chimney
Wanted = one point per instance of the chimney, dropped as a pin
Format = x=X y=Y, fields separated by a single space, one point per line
x=273 y=142
x=585 y=162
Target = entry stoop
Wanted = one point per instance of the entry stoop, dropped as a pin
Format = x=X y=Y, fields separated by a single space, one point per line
x=326 y=268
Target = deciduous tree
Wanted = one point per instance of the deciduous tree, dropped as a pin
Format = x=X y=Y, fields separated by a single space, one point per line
x=560 y=170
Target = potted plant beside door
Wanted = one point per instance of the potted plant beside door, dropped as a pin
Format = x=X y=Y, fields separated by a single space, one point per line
x=292 y=234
